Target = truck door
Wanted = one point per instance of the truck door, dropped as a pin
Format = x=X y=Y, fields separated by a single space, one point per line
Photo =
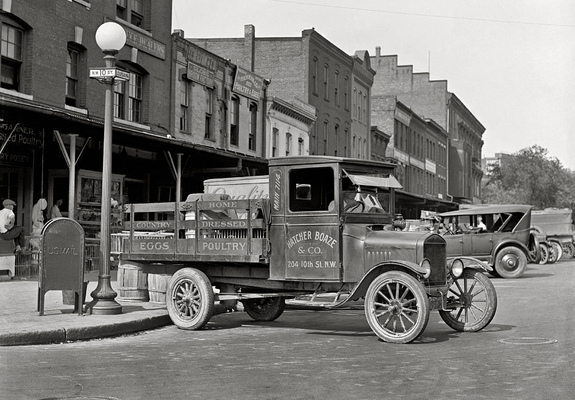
x=305 y=233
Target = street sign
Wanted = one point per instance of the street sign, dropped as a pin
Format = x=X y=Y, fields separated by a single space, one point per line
x=104 y=73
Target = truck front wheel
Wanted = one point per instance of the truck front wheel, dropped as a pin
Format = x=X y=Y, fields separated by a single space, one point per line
x=266 y=309
x=190 y=299
x=396 y=307
x=472 y=301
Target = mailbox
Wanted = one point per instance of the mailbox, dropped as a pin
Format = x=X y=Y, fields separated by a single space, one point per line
x=62 y=261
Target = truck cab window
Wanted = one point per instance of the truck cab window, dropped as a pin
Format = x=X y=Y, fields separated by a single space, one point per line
x=311 y=189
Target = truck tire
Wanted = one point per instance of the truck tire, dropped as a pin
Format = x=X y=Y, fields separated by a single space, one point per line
x=266 y=309
x=475 y=299
x=396 y=307
x=190 y=299
x=510 y=262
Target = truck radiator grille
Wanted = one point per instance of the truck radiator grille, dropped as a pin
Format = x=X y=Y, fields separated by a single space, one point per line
x=435 y=251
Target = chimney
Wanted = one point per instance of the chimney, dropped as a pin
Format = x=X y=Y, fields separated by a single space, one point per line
x=249 y=47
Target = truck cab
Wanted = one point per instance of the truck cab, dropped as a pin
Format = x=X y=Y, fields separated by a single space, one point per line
x=332 y=219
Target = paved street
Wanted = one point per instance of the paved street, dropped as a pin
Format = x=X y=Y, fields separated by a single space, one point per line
x=526 y=353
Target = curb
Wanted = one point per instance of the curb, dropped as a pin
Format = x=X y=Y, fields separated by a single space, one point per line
x=62 y=335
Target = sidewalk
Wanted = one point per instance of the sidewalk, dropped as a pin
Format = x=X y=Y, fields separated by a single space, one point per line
x=20 y=323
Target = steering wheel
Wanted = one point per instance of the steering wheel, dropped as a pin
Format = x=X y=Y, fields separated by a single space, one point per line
x=354 y=206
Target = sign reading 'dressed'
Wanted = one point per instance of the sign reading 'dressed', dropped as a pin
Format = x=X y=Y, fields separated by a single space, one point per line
x=62 y=265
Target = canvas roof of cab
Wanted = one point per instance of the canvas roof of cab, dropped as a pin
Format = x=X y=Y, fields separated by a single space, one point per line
x=488 y=209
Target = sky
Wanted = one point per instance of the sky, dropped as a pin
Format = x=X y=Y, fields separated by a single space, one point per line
x=512 y=62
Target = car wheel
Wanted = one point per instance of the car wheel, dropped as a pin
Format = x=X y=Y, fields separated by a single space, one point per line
x=568 y=250
x=544 y=250
x=396 y=307
x=472 y=301
x=534 y=248
x=510 y=262
x=558 y=249
x=552 y=259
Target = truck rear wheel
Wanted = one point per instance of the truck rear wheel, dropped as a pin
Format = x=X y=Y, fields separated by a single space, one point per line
x=396 y=307
x=190 y=299
x=266 y=309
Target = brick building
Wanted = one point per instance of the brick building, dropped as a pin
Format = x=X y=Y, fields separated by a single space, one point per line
x=312 y=70
x=419 y=147
x=215 y=110
x=432 y=100
x=52 y=113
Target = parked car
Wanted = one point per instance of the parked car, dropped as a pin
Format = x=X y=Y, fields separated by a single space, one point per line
x=500 y=235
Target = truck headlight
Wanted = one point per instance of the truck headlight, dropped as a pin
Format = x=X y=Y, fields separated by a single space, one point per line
x=457 y=268
x=426 y=264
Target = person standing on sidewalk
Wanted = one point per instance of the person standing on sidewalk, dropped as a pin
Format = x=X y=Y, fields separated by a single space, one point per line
x=55 y=211
x=37 y=222
x=7 y=229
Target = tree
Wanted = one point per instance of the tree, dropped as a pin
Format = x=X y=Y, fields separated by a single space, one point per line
x=530 y=177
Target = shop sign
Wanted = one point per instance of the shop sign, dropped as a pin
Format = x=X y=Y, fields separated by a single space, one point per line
x=16 y=159
x=199 y=74
x=21 y=135
x=248 y=84
x=201 y=67
x=402 y=117
x=145 y=43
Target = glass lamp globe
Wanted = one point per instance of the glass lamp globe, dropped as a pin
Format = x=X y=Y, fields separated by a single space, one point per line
x=110 y=36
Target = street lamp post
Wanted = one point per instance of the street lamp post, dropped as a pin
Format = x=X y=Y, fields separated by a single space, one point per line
x=110 y=37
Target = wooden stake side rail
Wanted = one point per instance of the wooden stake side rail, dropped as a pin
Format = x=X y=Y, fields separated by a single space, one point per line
x=208 y=231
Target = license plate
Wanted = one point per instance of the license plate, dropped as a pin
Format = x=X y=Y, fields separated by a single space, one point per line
x=436 y=303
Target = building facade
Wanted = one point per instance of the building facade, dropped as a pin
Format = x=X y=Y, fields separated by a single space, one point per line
x=52 y=113
x=432 y=100
x=362 y=80
x=314 y=71
x=220 y=109
x=289 y=126
x=419 y=147
x=48 y=101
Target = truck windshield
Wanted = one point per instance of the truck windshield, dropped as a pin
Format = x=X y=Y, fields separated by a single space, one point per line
x=364 y=201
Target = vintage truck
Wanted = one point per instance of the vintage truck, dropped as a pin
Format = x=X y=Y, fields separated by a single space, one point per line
x=557 y=224
x=327 y=226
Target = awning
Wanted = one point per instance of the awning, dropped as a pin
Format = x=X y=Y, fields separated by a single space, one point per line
x=384 y=181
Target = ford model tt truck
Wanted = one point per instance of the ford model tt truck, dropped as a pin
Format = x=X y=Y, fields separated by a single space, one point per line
x=327 y=226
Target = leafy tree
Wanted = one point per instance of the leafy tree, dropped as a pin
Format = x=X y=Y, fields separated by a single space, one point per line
x=530 y=177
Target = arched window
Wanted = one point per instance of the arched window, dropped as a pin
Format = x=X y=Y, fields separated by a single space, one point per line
x=129 y=97
x=275 y=136
x=325 y=82
x=235 y=121
x=253 y=126
x=314 y=76
x=12 y=41
x=288 y=144
x=209 y=113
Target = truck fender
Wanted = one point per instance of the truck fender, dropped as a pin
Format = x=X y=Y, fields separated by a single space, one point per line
x=408 y=267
